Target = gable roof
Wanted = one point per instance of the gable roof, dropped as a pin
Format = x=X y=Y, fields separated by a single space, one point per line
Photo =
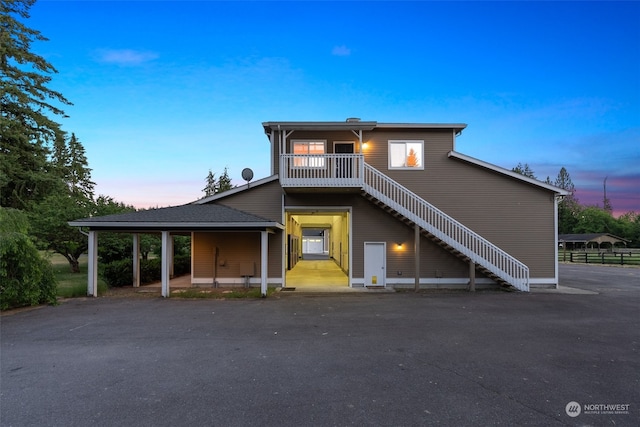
x=591 y=237
x=512 y=174
x=207 y=216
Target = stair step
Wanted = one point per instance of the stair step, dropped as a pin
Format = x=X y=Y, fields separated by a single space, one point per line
x=460 y=255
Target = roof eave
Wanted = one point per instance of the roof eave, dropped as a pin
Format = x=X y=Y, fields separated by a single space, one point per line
x=324 y=126
x=96 y=225
x=498 y=169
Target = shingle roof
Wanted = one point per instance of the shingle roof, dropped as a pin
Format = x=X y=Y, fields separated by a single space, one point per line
x=185 y=216
x=588 y=237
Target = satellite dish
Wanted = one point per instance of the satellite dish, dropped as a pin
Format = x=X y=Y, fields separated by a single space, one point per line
x=247 y=175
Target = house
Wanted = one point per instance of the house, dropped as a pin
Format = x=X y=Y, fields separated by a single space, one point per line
x=390 y=204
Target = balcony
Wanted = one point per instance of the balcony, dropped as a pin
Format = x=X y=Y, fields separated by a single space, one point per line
x=322 y=170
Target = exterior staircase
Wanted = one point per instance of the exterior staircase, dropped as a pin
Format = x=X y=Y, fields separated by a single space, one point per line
x=452 y=235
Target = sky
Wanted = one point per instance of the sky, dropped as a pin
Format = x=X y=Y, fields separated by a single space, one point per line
x=164 y=91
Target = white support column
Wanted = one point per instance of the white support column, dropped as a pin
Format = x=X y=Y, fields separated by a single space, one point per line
x=171 y=256
x=92 y=276
x=264 y=251
x=136 y=260
x=416 y=255
x=166 y=245
x=556 y=201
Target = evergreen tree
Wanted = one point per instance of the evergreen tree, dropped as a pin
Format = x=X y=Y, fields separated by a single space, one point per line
x=214 y=186
x=224 y=182
x=210 y=188
x=70 y=163
x=568 y=208
x=26 y=129
x=524 y=170
x=606 y=203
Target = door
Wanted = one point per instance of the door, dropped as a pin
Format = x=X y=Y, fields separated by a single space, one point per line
x=344 y=166
x=375 y=261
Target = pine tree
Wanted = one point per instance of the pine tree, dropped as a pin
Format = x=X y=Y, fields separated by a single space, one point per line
x=69 y=162
x=224 y=182
x=210 y=188
x=26 y=129
x=568 y=208
x=78 y=174
x=524 y=170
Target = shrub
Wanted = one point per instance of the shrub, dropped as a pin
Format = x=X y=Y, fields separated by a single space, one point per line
x=182 y=265
x=118 y=273
x=26 y=278
x=150 y=270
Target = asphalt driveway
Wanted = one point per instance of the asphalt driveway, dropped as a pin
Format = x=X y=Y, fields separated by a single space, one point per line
x=400 y=359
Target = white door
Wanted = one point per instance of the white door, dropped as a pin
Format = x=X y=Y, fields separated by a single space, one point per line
x=375 y=263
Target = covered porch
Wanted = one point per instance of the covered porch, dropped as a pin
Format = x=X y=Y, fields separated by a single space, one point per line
x=169 y=221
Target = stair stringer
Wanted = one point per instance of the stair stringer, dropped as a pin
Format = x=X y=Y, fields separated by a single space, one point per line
x=447 y=231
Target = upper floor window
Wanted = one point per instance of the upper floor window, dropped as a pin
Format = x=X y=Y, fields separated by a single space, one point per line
x=313 y=153
x=406 y=154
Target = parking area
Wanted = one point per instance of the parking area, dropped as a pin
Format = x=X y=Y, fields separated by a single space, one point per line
x=399 y=359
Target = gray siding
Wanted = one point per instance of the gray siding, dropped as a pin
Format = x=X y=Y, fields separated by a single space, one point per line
x=372 y=224
x=264 y=200
x=516 y=216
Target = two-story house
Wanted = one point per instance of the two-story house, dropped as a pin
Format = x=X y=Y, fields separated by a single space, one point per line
x=389 y=204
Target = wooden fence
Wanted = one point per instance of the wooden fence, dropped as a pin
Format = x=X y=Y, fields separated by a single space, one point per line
x=621 y=257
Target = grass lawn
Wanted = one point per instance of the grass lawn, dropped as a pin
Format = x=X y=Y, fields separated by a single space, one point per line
x=70 y=284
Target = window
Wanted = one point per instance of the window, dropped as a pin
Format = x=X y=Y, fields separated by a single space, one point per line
x=313 y=152
x=407 y=154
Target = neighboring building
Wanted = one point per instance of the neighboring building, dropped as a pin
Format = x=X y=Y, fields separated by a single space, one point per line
x=590 y=240
x=392 y=204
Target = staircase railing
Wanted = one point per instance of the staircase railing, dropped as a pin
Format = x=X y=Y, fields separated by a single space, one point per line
x=448 y=230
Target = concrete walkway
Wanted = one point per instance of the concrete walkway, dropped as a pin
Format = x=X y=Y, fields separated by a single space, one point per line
x=317 y=275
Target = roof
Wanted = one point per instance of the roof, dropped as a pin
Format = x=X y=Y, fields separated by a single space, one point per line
x=234 y=190
x=512 y=174
x=591 y=237
x=207 y=216
x=357 y=124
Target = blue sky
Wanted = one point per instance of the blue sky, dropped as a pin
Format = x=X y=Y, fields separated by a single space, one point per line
x=163 y=91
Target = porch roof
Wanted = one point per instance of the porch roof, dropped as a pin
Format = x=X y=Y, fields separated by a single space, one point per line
x=185 y=217
x=591 y=238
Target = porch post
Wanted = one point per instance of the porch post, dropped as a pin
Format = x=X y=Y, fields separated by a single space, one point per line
x=264 y=251
x=171 y=256
x=472 y=276
x=416 y=250
x=136 y=260
x=92 y=276
x=165 y=264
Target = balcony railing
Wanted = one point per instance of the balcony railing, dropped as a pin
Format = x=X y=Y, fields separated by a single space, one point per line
x=321 y=170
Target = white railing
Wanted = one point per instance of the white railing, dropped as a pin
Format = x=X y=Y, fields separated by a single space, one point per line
x=445 y=228
x=321 y=170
